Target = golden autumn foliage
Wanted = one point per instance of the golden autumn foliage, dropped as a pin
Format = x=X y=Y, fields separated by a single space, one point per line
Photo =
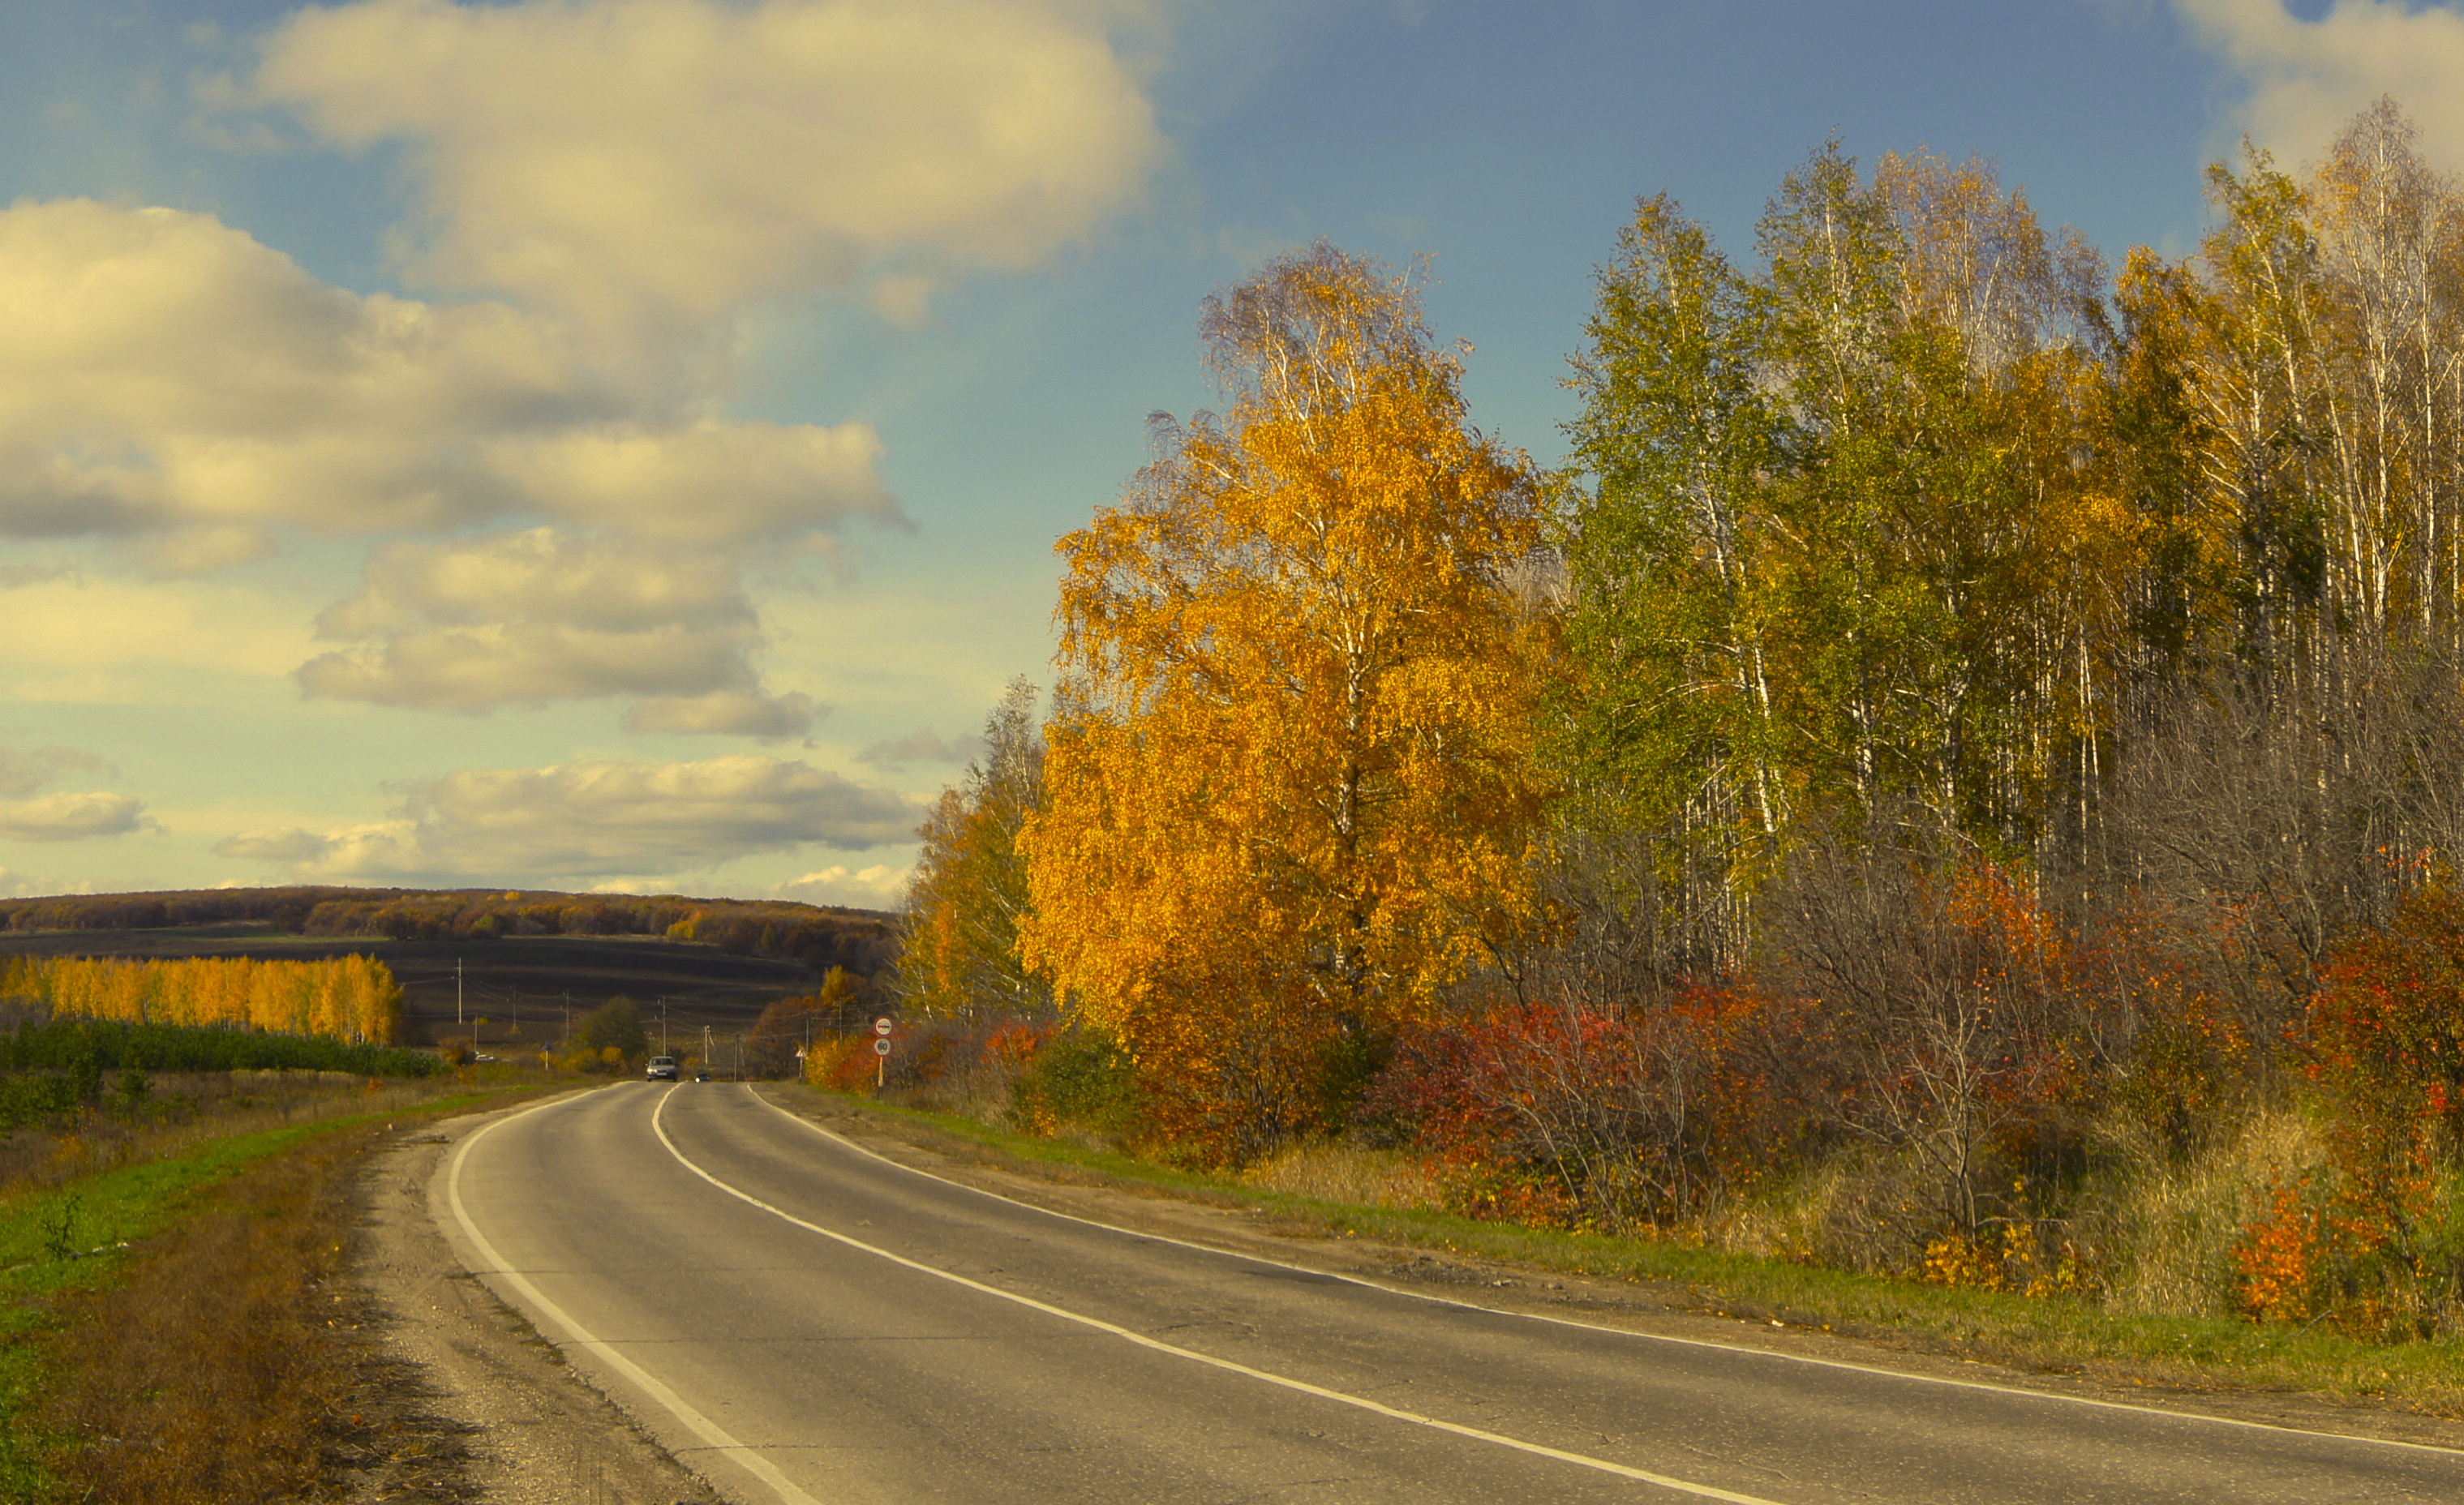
x=1290 y=774
x=353 y=998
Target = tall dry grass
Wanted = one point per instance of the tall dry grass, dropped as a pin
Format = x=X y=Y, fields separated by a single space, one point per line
x=233 y=1365
x=177 y=1111
x=1393 y=1179
x=2151 y=1232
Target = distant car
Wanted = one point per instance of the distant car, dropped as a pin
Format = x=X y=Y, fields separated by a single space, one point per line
x=701 y=1076
x=663 y=1068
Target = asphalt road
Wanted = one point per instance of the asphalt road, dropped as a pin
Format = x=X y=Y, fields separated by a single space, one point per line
x=802 y=1321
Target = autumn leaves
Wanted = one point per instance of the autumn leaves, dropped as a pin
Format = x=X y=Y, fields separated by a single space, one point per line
x=1291 y=777
x=1965 y=751
x=350 y=998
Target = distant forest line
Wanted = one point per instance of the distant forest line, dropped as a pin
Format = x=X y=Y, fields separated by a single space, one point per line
x=860 y=941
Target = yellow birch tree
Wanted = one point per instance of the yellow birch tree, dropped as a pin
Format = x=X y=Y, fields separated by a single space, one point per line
x=1291 y=775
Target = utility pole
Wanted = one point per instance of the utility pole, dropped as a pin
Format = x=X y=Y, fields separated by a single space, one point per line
x=663 y=1025
x=568 y=1017
x=457 y=990
x=517 y=1010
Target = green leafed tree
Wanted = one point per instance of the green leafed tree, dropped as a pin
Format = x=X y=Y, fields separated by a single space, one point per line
x=616 y=1024
x=1845 y=543
x=1674 y=724
x=969 y=889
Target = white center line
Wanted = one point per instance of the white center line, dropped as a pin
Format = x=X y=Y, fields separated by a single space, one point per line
x=1287 y=1382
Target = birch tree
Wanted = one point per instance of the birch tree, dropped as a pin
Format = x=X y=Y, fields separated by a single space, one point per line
x=1291 y=776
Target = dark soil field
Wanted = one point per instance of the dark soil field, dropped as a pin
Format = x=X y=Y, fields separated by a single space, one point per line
x=521 y=986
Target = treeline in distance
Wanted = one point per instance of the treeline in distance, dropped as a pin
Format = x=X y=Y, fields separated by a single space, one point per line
x=820 y=938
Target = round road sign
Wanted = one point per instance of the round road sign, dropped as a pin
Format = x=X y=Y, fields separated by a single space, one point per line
x=881 y=1047
x=881 y=1025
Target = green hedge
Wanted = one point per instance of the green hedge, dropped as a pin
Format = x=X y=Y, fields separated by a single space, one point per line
x=87 y=1046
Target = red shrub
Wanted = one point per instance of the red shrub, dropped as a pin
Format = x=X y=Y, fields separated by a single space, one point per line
x=1561 y=1115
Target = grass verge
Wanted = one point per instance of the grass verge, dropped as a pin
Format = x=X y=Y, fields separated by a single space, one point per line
x=2046 y=1335
x=183 y=1330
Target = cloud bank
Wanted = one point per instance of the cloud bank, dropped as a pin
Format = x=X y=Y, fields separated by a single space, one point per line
x=583 y=821
x=879 y=886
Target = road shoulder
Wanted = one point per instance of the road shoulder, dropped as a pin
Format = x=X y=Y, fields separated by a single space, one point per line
x=536 y=1432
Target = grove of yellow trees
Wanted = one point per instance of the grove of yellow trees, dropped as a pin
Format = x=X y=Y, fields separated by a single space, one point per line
x=350 y=998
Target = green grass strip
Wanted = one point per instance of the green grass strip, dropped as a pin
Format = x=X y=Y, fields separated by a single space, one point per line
x=2046 y=1334
x=46 y=1237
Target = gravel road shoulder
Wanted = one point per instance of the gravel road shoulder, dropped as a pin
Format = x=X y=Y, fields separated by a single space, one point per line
x=529 y=1430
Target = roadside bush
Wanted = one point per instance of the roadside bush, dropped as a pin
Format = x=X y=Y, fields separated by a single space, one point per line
x=2373 y=1240
x=99 y=1045
x=841 y=1062
x=1077 y=1077
x=1635 y=1118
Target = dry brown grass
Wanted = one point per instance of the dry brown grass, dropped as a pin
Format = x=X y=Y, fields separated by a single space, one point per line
x=236 y=1365
x=1380 y=1178
x=2180 y=1221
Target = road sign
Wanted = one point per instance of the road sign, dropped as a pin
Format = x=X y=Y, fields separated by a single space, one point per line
x=881 y=1025
x=881 y=1047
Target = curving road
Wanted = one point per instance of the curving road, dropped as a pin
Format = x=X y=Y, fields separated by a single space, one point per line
x=802 y=1321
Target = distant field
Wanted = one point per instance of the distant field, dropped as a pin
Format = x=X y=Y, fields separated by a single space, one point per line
x=524 y=977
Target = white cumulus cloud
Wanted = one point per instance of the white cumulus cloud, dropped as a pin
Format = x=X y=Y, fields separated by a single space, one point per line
x=169 y=378
x=583 y=821
x=63 y=815
x=544 y=615
x=2308 y=77
x=539 y=445
x=21 y=774
x=653 y=164
x=67 y=816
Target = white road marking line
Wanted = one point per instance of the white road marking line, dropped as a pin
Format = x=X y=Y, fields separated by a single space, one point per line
x=709 y=1431
x=1287 y=1382
x=1741 y=1349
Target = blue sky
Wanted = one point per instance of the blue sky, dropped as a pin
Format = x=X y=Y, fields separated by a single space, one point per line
x=619 y=443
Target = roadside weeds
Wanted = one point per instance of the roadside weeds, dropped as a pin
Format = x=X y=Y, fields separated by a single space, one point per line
x=210 y=1345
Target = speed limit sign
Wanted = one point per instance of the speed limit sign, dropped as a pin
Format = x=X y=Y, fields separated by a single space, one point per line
x=881 y=1047
x=881 y=1025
